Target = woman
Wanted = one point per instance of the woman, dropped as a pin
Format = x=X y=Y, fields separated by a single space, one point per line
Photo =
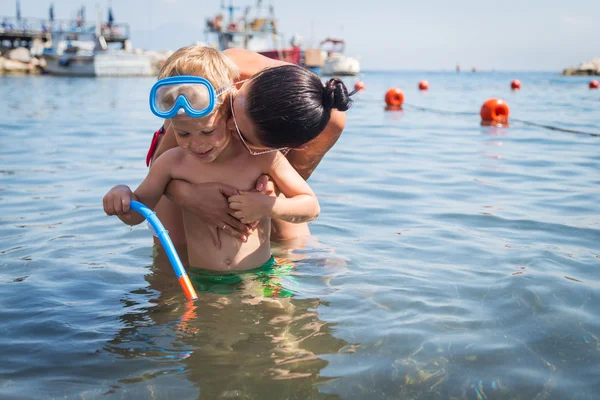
x=279 y=105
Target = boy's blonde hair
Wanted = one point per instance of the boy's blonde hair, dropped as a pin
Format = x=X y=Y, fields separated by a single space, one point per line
x=203 y=61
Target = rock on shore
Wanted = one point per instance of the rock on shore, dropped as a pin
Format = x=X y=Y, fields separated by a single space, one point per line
x=586 y=68
x=19 y=61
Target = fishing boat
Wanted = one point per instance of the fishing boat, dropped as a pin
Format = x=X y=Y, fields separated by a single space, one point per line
x=86 y=54
x=336 y=62
x=255 y=32
x=78 y=49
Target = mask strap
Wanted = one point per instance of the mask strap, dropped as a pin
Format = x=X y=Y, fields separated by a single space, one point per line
x=222 y=90
x=225 y=89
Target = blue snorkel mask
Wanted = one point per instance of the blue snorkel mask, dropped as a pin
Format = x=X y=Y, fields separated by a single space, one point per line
x=192 y=95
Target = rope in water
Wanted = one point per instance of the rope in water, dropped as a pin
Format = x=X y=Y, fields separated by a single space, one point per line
x=550 y=127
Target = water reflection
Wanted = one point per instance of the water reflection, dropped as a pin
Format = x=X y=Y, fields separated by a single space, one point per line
x=249 y=343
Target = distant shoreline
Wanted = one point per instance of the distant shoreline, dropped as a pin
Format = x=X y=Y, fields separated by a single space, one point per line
x=588 y=68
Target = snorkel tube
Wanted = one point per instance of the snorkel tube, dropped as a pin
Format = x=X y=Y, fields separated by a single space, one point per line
x=165 y=240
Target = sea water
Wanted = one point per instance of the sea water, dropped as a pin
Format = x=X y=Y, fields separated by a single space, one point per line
x=450 y=259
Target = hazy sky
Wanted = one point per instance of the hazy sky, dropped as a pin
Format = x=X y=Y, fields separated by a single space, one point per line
x=385 y=34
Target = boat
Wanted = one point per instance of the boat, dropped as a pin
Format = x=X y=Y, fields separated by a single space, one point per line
x=94 y=50
x=336 y=63
x=257 y=33
x=85 y=54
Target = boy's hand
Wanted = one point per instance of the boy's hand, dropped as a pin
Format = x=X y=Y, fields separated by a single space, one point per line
x=264 y=185
x=251 y=206
x=117 y=200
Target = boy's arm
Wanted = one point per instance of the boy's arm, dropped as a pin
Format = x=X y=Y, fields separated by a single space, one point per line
x=148 y=193
x=299 y=204
x=153 y=186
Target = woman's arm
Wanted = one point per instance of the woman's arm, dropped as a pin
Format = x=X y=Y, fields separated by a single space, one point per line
x=306 y=160
x=209 y=202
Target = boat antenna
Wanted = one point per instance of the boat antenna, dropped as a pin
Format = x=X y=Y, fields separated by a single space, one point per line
x=258 y=8
x=231 y=11
x=246 y=20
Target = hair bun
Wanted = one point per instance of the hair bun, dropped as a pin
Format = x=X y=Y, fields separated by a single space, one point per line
x=335 y=95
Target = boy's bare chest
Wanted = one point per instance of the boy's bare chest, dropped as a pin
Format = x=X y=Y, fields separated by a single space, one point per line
x=240 y=174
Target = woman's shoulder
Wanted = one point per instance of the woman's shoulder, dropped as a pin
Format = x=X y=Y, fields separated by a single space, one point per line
x=249 y=62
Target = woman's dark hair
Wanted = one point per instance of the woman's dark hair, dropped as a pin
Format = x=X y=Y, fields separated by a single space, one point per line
x=290 y=105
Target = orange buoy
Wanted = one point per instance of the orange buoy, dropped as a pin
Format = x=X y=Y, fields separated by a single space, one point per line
x=515 y=84
x=423 y=85
x=594 y=84
x=359 y=86
x=495 y=110
x=394 y=97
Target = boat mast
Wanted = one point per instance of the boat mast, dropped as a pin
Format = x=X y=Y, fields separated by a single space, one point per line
x=98 y=21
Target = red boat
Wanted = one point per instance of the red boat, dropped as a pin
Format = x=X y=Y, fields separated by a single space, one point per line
x=257 y=33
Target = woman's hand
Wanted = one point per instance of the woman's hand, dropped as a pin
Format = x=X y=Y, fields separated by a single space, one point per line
x=265 y=185
x=252 y=206
x=209 y=202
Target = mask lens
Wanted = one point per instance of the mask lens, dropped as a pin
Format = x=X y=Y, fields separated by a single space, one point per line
x=168 y=96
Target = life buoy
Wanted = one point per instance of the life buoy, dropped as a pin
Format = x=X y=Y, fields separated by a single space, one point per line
x=495 y=110
x=358 y=86
x=394 y=97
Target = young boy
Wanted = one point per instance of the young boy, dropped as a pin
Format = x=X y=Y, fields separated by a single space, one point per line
x=211 y=149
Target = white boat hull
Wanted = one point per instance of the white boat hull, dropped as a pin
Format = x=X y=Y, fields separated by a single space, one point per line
x=341 y=65
x=70 y=66
x=122 y=64
x=115 y=63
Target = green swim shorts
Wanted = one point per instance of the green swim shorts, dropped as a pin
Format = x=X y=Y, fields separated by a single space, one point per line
x=268 y=278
